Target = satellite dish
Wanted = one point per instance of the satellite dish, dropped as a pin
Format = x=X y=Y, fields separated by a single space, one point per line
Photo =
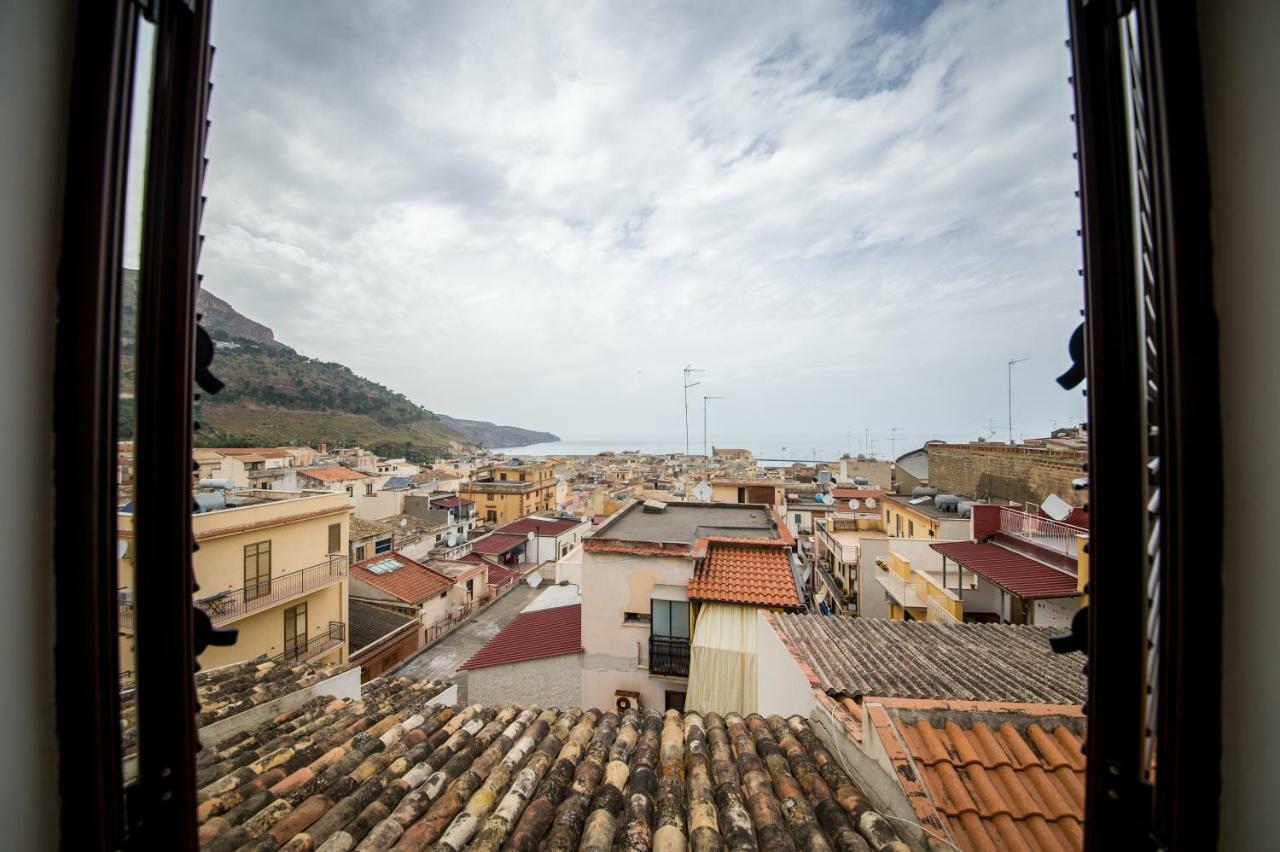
x=534 y=579
x=702 y=491
x=404 y=522
x=451 y=540
x=855 y=504
x=122 y=547
x=828 y=500
x=871 y=502
x=530 y=536
x=1056 y=508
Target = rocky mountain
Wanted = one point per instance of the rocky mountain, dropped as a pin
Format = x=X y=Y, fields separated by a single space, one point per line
x=275 y=395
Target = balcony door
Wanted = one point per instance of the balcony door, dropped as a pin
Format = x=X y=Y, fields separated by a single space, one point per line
x=257 y=570
x=295 y=630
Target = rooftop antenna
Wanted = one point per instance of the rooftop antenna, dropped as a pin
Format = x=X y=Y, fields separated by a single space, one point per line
x=1012 y=362
x=893 y=443
x=688 y=371
x=704 y=422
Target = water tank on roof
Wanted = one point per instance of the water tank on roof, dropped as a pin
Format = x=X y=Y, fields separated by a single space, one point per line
x=211 y=501
x=965 y=509
x=946 y=502
x=861 y=481
x=924 y=491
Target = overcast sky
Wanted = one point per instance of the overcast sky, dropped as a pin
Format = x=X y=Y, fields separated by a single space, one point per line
x=851 y=215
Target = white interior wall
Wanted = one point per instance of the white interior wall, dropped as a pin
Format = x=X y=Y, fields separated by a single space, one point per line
x=1241 y=64
x=35 y=73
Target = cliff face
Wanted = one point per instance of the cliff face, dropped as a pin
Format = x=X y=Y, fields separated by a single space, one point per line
x=217 y=314
x=491 y=435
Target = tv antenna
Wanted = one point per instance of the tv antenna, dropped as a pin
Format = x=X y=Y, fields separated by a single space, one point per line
x=1012 y=362
x=705 y=399
x=688 y=371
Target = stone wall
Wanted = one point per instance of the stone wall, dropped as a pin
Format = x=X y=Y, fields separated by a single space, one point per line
x=548 y=682
x=999 y=471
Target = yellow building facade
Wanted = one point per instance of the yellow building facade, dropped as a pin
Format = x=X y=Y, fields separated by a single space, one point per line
x=273 y=566
x=505 y=493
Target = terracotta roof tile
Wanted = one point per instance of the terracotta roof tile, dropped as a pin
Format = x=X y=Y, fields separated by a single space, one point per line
x=539 y=526
x=532 y=636
x=998 y=787
x=412 y=582
x=393 y=769
x=1017 y=574
x=841 y=493
x=496 y=544
x=745 y=573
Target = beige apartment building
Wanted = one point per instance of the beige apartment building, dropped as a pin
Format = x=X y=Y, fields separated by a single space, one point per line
x=506 y=492
x=272 y=565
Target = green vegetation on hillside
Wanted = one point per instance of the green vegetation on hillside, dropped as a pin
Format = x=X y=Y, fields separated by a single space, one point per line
x=277 y=396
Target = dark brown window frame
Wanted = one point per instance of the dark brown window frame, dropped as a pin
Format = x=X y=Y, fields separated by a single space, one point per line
x=1122 y=810
x=1127 y=805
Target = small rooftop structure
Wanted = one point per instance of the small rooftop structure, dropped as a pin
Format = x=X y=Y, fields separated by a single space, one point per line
x=1017 y=574
x=532 y=635
x=685 y=523
x=401 y=577
x=539 y=526
x=336 y=473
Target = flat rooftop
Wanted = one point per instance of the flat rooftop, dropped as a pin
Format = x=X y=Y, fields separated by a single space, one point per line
x=685 y=523
x=925 y=507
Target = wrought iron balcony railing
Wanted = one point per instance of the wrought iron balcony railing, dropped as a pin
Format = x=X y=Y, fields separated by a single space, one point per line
x=669 y=655
x=314 y=647
x=234 y=603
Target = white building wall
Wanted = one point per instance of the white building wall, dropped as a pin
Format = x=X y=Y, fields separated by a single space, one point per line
x=782 y=688
x=1055 y=612
x=615 y=653
x=871 y=595
x=548 y=682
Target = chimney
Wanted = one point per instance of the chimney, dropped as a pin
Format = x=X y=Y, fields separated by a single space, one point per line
x=324 y=448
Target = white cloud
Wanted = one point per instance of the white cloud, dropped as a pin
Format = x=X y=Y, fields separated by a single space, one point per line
x=848 y=214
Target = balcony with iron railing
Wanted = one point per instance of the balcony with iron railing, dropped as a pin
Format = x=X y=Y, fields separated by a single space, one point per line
x=669 y=656
x=1043 y=532
x=237 y=603
x=316 y=646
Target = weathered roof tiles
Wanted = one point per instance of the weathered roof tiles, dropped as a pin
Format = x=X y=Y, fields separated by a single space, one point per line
x=387 y=773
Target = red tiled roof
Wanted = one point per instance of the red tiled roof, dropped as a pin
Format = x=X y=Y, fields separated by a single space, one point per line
x=412 y=582
x=539 y=526
x=532 y=636
x=1019 y=575
x=747 y=573
x=993 y=787
x=496 y=544
x=856 y=493
x=332 y=474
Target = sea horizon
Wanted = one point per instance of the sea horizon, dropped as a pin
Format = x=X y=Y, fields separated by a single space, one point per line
x=801 y=447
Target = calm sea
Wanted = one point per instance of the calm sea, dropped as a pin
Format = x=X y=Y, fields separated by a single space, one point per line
x=798 y=447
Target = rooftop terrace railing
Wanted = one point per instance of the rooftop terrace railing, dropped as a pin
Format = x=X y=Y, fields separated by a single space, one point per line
x=1045 y=532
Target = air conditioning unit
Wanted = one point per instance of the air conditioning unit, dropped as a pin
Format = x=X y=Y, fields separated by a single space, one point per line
x=625 y=699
